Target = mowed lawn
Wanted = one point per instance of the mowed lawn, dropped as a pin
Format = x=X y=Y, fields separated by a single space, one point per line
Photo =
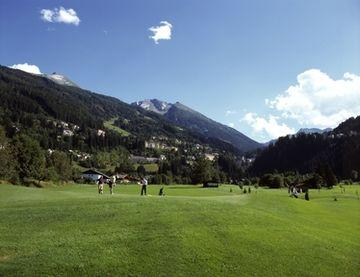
x=192 y=231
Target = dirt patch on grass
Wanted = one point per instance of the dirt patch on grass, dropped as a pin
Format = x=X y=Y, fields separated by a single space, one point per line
x=4 y=258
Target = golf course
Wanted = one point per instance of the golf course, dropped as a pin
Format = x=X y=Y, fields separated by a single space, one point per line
x=71 y=230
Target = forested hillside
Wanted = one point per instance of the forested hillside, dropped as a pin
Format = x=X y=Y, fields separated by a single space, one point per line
x=184 y=116
x=73 y=129
x=90 y=128
x=303 y=153
x=28 y=99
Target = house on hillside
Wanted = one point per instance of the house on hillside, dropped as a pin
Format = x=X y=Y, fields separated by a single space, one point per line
x=143 y=160
x=93 y=175
x=211 y=156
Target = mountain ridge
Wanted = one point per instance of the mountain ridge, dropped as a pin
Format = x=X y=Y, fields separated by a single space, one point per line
x=182 y=115
x=28 y=98
x=313 y=130
x=60 y=79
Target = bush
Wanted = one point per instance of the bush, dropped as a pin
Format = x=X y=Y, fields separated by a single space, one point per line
x=314 y=181
x=166 y=179
x=272 y=180
x=354 y=175
x=157 y=179
x=265 y=180
x=255 y=181
x=51 y=174
x=277 y=182
x=141 y=170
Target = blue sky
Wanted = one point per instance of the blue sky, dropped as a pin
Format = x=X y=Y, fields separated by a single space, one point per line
x=267 y=68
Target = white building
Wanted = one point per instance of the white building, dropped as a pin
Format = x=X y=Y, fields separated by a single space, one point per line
x=93 y=175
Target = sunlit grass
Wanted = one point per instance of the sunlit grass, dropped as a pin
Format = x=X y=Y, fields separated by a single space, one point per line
x=110 y=125
x=72 y=230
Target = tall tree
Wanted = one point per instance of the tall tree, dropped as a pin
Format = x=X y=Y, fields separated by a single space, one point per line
x=61 y=163
x=30 y=157
x=6 y=159
x=329 y=177
x=202 y=171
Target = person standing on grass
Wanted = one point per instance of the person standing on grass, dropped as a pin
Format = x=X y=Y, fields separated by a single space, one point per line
x=161 y=191
x=112 y=184
x=101 y=181
x=144 y=184
x=295 y=192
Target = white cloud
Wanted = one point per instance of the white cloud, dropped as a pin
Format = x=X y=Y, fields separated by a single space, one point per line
x=230 y=112
x=163 y=31
x=270 y=126
x=47 y=15
x=60 y=15
x=317 y=100
x=30 y=68
x=232 y=125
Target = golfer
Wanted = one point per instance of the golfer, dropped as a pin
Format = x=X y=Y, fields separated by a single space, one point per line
x=144 y=184
x=112 y=184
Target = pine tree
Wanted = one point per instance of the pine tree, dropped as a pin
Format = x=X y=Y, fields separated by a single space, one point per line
x=202 y=171
x=330 y=178
x=7 y=170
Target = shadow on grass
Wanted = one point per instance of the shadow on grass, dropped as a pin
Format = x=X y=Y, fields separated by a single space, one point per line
x=184 y=187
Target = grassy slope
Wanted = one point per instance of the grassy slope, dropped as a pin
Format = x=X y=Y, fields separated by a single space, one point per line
x=151 y=168
x=191 y=231
x=110 y=125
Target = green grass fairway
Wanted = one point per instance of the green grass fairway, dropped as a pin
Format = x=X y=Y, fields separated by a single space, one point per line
x=73 y=231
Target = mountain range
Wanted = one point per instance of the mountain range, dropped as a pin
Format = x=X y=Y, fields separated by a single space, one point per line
x=303 y=131
x=145 y=113
x=60 y=115
x=182 y=115
x=313 y=130
x=175 y=114
x=39 y=104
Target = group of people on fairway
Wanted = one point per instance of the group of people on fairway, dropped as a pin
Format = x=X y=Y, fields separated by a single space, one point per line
x=102 y=181
x=294 y=191
x=112 y=182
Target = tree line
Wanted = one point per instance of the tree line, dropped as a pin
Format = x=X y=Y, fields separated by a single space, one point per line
x=338 y=150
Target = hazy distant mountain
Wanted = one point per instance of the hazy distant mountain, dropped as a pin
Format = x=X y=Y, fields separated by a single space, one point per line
x=313 y=130
x=304 y=152
x=303 y=131
x=60 y=79
x=184 y=116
